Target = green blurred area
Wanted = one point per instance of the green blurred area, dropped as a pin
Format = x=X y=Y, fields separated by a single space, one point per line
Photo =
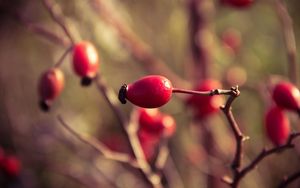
x=39 y=140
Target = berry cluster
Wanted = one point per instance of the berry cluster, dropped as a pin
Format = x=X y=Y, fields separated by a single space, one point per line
x=85 y=65
x=153 y=125
x=286 y=97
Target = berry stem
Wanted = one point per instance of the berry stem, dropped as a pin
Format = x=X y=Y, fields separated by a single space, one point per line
x=61 y=59
x=203 y=93
x=288 y=180
x=289 y=39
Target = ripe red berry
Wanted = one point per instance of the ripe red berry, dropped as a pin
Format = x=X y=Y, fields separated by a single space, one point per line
x=148 y=92
x=11 y=166
x=238 y=3
x=50 y=86
x=155 y=123
x=231 y=40
x=287 y=96
x=85 y=61
x=204 y=106
x=149 y=119
x=277 y=126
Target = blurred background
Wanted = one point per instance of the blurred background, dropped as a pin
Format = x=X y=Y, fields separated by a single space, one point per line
x=242 y=47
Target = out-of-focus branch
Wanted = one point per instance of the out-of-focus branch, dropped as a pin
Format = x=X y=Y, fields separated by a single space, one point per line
x=43 y=31
x=201 y=13
x=56 y=14
x=290 y=179
x=138 y=49
x=289 y=39
x=98 y=146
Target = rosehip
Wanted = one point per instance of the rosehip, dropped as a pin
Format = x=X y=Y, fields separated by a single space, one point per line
x=287 y=96
x=11 y=166
x=155 y=123
x=149 y=119
x=148 y=92
x=148 y=143
x=50 y=86
x=277 y=126
x=231 y=40
x=238 y=3
x=85 y=61
x=204 y=106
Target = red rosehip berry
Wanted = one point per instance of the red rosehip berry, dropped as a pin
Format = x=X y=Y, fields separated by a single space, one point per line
x=85 y=61
x=149 y=144
x=277 y=126
x=11 y=166
x=149 y=119
x=231 y=40
x=50 y=86
x=238 y=3
x=156 y=124
x=287 y=96
x=148 y=92
x=204 y=106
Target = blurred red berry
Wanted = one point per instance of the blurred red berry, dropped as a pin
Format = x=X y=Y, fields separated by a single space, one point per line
x=149 y=144
x=149 y=119
x=287 y=95
x=85 y=61
x=277 y=126
x=204 y=106
x=231 y=39
x=155 y=123
x=50 y=86
x=148 y=92
x=238 y=3
x=11 y=166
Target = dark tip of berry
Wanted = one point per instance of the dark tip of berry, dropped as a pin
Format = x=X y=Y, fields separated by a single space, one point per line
x=86 y=81
x=122 y=94
x=44 y=106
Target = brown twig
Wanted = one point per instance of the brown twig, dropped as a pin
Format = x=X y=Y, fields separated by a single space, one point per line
x=138 y=49
x=204 y=93
x=98 y=146
x=239 y=137
x=290 y=179
x=289 y=39
x=56 y=14
x=262 y=155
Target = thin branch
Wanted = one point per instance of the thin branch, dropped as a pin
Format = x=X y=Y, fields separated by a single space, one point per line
x=234 y=182
x=162 y=156
x=289 y=38
x=62 y=58
x=43 y=31
x=239 y=137
x=290 y=179
x=204 y=93
x=56 y=14
x=98 y=146
x=138 y=49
